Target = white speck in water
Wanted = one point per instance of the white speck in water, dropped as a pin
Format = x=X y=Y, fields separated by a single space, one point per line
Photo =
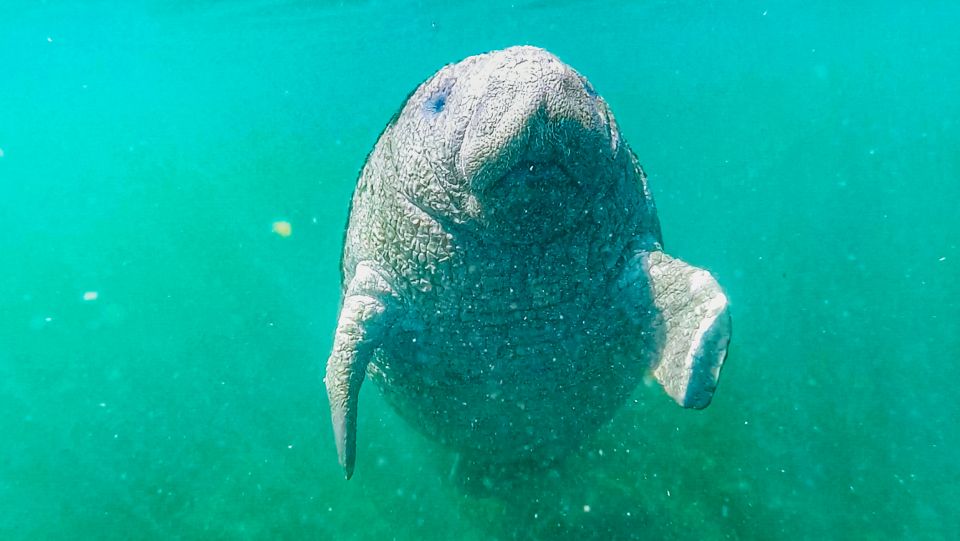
x=586 y=508
x=49 y=39
x=102 y=404
x=48 y=319
x=944 y=258
x=668 y=493
x=290 y=446
x=90 y=296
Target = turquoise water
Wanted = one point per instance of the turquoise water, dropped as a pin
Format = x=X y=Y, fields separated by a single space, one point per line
x=161 y=348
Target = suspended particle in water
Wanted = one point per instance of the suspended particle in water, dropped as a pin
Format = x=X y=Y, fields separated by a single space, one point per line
x=90 y=296
x=282 y=228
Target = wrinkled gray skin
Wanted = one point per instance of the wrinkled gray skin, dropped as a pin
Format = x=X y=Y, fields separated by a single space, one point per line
x=504 y=282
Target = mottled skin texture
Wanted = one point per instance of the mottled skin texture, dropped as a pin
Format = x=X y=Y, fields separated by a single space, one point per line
x=503 y=276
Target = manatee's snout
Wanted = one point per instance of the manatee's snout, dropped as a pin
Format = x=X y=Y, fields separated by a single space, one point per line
x=532 y=112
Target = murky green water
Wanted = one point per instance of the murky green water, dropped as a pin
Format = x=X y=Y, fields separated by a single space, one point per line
x=161 y=347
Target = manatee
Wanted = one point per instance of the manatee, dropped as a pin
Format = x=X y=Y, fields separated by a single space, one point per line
x=503 y=275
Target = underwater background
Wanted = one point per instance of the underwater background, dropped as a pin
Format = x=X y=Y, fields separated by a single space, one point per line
x=174 y=183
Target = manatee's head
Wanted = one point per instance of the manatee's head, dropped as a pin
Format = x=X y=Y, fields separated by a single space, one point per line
x=512 y=143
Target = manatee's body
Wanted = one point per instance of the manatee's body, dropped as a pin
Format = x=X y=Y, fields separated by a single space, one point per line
x=503 y=275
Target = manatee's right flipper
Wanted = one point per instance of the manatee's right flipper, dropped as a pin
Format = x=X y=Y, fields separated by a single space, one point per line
x=368 y=310
x=697 y=328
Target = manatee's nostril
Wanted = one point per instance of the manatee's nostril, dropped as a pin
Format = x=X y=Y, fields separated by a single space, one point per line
x=436 y=102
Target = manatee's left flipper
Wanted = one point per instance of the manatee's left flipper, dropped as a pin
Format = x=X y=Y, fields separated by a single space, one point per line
x=694 y=324
x=368 y=310
x=695 y=312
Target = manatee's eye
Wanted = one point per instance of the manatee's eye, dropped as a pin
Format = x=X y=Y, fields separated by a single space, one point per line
x=438 y=98
x=588 y=87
